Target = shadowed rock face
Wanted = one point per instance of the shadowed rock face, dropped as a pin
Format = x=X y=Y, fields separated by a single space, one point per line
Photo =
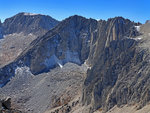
x=29 y=23
x=68 y=42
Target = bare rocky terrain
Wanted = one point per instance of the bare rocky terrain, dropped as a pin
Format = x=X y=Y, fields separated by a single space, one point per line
x=127 y=109
x=79 y=65
x=36 y=94
x=12 y=45
x=19 y=31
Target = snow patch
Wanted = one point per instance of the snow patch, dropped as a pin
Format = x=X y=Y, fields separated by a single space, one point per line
x=51 y=61
x=30 y=14
x=22 y=72
x=88 y=67
x=137 y=38
x=137 y=28
x=61 y=66
x=95 y=30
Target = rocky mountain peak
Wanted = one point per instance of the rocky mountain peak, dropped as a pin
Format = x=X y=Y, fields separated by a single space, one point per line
x=75 y=18
x=120 y=28
x=29 y=23
x=19 y=31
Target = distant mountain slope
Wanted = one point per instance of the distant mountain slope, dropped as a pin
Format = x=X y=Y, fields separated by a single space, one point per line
x=19 y=31
x=27 y=23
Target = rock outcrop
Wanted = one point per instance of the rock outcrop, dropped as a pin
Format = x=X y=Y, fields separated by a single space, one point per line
x=5 y=106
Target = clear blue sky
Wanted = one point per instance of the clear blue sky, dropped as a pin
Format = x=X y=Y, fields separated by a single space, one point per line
x=136 y=10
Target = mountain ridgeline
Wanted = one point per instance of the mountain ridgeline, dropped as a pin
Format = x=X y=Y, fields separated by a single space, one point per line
x=118 y=72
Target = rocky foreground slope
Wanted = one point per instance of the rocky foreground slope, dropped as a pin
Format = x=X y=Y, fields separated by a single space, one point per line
x=115 y=51
x=36 y=94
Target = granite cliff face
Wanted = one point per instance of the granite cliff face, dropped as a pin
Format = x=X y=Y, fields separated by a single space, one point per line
x=120 y=74
x=107 y=31
x=114 y=52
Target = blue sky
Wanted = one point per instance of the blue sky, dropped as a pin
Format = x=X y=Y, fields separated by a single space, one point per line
x=136 y=10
